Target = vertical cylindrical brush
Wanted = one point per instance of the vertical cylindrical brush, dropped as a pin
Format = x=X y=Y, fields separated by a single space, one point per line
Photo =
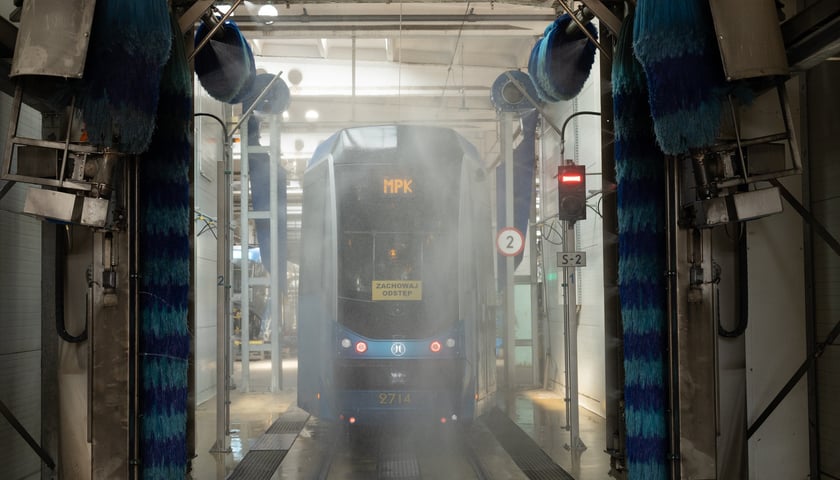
x=640 y=167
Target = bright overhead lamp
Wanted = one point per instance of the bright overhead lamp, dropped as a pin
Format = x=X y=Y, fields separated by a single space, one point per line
x=267 y=10
x=312 y=115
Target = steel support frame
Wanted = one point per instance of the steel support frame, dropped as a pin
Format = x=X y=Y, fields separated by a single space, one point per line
x=692 y=343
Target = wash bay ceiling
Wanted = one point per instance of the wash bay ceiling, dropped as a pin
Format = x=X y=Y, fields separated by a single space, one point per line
x=383 y=62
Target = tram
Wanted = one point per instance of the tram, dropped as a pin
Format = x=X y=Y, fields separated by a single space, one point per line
x=396 y=315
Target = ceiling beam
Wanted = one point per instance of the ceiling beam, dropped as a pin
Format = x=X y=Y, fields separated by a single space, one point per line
x=289 y=3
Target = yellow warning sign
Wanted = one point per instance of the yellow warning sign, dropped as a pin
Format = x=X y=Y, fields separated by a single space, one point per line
x=397 y=290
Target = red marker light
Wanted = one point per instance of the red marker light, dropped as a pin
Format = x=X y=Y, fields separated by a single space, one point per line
x=435 y=346
x=352 y=420
x=361 y=347
x=571 y=193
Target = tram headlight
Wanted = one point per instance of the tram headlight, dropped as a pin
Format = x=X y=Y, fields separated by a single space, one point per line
x=450 y=342
x=346 y=343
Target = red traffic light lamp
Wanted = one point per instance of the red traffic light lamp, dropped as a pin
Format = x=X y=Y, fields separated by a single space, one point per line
x=571 y=192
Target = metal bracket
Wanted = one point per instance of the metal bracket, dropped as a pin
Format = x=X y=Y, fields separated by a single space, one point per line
x=604 y=15
x=583 y=29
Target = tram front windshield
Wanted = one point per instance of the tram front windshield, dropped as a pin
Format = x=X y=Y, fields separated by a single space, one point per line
x=398 y=268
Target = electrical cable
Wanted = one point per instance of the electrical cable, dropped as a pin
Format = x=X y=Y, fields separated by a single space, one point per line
x=455 y=53
x=60 y=275
x=743 y=297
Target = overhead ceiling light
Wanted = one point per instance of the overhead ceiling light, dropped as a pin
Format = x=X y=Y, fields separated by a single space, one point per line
x=311 y=115
x=285 y=114
x=267 y=10
x=223 y=9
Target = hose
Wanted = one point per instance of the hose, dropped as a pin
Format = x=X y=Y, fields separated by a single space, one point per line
x=743 y=297
x=60 y=273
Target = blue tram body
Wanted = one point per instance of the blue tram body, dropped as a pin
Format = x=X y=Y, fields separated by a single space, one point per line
x=395 y=316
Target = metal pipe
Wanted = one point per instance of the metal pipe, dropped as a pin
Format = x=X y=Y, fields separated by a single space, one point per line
x=252 y=107
x=567 y=397
x=506 y=138
x=573 y=408
x=533 y=102
x=562 y=131
x=90 y=351
x=673 y=317
x=758 y=178
x=133 y=178
x=701 y=178
x=744 y=172
x=583 y=29
x=229 y=235
x=583 y=15
x=721 y=147
x=354 y=20
x=787 y=116
x=274 y=246
x=213 y=30
x=14 y=117
x=245 y=244
x=66 y=143
x=544 y=311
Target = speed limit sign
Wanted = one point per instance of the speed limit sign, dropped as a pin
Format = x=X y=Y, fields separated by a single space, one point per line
x=510 y=242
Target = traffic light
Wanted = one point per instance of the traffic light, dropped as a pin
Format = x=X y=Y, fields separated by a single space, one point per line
x=571 y=192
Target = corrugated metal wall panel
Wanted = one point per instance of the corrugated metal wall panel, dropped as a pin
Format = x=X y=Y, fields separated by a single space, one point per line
x=824 y=182
x=20 y=315
x=20 y=278
x=21 y=392
x=824 y=177
x=775 y=340
x=829 y=392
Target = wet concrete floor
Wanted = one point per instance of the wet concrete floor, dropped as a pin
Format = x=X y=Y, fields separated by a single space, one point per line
x=439 y=455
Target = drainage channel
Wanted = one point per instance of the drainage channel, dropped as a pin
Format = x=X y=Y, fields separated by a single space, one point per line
x=398 y=452
x=267 y=453
x=528 y=456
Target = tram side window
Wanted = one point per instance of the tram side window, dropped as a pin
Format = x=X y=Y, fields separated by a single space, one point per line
x=316 y=226
x=356 y=266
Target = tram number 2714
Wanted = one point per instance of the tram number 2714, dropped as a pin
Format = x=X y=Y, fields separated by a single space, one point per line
x=394 y=398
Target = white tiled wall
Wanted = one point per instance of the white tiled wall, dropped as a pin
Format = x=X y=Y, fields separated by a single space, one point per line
x=20 y=316
x=208 y=150
x=583 y=145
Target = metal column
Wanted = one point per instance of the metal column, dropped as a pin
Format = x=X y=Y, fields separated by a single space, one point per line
x=244 y=241
x=571 y=320
x=506 y=142
x=223 y=179
x=274 y=288
x=110 y=338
